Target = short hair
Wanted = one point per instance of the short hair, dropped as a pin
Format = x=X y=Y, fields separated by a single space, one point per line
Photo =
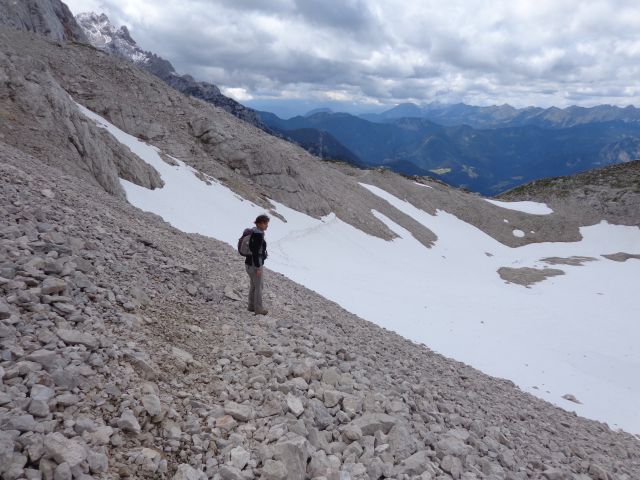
x=262 y=219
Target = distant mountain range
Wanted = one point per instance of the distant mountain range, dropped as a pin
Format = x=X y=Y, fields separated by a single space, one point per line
x=502 y=116
x=486 y=160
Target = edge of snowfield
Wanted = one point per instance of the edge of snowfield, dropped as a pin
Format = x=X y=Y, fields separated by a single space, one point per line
x=573 y=334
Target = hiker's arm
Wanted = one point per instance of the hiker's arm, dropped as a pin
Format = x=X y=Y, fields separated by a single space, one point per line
x=254 y=245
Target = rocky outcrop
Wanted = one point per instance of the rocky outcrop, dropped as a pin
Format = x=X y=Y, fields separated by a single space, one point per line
x=51 y=18
x=121 y=356
x=610 y=193
x=40 y=117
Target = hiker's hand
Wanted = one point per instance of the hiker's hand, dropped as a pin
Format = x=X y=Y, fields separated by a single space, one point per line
x=259 y=272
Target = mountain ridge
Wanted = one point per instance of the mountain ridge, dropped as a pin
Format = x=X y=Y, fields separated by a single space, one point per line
x=118 y=41
x=502 y=116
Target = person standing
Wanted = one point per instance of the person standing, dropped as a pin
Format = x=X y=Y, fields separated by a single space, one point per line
x=254 y=264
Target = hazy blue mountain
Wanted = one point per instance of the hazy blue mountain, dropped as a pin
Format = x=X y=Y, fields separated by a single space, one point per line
x=316 y=141
x=318 y=110
x=488 y=161
x=502 y=116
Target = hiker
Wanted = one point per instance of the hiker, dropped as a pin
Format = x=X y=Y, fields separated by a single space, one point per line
x=254 y=264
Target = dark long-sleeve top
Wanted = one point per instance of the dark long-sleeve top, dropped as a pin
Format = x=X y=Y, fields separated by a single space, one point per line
x=258 y=247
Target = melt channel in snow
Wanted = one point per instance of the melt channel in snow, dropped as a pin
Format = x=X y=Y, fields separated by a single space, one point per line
x=573 y=334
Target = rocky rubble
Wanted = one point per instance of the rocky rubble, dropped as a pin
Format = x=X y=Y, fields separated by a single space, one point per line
x=121 y=356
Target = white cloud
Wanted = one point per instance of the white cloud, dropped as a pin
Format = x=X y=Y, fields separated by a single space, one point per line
x=522 y=52
x=239 y=94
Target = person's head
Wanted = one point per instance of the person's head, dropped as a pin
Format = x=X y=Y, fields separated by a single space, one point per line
x=262 y=222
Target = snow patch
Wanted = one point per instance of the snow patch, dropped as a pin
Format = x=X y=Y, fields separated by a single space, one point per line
x=518 y=233
x=533 y=208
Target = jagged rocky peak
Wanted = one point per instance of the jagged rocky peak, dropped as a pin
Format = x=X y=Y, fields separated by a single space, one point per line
x=99 y=30
x=104 y=35
x=50 y=18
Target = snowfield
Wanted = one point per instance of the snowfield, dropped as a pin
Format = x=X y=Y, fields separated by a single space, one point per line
x=575 y=334
x=533 y=208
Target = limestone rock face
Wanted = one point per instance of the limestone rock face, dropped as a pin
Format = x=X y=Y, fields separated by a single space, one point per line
x=33 y=100
x=50 y=18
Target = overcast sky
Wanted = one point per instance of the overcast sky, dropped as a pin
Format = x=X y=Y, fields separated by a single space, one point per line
x=522 y=52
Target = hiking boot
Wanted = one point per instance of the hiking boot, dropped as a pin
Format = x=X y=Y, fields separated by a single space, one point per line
x=250 y=309
x=261 y=312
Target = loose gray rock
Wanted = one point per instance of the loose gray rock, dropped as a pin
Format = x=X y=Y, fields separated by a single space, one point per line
x=98 y=462
x=64 y=450
x=39 y=408
x=332 y=398
x=7 y=446
x=294 y=404
x=452 y=465
x=4 y=311
x=182 y=355
x=571 y=398
x=53 y=285
x=415 y=464
x=128 y=422
x=370 y=423
x=451 y=445
x=239 y=457
x=43 y=357
x=239 y=412
x=63 y=472
x=228 y=472
x=41 y=392
x=75 y=337
x=187 y=472
x=151 y=403
x=401 y=443
x=22 y=423
x=293 y=453
x=274 y=470
x=232 y=294
x=352 y=433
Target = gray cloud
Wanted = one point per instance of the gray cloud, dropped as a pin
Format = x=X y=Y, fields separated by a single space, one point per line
x=522 y=52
